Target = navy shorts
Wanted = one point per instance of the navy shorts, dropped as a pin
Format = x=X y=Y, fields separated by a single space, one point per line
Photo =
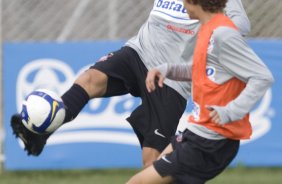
x=156 y=119
x=195 y=160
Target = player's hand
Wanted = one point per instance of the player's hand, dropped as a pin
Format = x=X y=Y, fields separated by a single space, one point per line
x=152 y=76
x=214 y=115
x=218 y=115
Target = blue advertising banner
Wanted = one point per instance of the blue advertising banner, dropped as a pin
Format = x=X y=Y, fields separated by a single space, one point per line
x=265 y=148
x=100 y=137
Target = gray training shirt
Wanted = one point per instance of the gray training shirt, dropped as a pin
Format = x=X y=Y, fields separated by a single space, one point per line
x=168 y=36
x=228 y=57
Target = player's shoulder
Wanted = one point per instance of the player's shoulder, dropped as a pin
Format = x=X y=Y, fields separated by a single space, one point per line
x=226 y=34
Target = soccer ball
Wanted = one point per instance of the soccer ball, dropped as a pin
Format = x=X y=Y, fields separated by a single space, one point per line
x=42 y=111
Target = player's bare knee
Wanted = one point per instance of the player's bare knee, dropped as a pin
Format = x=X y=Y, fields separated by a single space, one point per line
x=94 y=82
x=147 y=161
x=149 y=156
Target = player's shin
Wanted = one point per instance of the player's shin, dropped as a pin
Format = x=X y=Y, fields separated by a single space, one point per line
x=74 y=100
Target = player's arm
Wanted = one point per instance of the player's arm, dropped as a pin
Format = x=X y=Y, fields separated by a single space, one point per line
x=235 y=10
x=239 y=60
x=179 y=72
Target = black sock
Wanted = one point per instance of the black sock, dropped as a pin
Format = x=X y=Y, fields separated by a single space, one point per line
x=74 y=100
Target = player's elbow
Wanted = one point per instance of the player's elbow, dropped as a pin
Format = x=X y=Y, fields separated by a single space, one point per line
x=245 y=27
x=243 y=24
x=270 y=79
x=246 y=30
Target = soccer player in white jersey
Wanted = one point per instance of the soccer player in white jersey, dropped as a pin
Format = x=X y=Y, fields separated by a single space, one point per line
x=222 y=100
x=167 y=36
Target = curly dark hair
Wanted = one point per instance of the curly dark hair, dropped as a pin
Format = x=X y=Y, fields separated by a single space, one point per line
x=212 y=6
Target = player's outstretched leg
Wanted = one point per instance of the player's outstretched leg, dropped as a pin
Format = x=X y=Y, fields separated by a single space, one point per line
x=91 y=83
x=34 y=143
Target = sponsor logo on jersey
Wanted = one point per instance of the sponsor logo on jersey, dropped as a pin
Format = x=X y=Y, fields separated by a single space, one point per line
x=181 y=30
x=176 y=6
x=172 y=10
x=210 y=71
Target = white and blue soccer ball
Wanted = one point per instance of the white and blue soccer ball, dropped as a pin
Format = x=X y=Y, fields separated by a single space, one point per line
x=43 y=111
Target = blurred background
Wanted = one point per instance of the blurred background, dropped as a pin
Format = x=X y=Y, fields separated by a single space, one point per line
x=76 y=20
x=74 y=31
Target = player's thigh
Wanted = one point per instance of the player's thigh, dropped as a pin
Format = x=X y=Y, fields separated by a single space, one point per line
x=119 y=67
x=94 y=82
x=149 y=176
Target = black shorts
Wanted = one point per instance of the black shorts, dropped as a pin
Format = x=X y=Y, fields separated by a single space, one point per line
x=156 y=119
x=195 y=160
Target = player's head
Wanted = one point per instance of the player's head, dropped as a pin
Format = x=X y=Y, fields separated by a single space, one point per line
x=212 y=6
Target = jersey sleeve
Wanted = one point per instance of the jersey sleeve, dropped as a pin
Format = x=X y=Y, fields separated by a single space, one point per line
x=234 y=9
x=238 y=59
x=176 y=71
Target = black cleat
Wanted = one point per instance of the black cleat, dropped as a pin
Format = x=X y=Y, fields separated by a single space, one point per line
x=34 y=143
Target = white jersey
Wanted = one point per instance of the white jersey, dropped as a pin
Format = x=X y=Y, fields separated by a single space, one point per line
x=169 y=35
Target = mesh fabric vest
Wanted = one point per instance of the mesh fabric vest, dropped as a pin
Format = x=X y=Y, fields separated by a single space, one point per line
x=206 y=92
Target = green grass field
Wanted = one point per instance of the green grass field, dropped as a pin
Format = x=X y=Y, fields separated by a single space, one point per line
x=120 y=176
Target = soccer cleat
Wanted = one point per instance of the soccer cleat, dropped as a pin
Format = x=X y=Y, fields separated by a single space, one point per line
x=34 y=143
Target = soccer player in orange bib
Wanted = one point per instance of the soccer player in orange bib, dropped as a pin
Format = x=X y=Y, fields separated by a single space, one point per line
x=228 y=79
